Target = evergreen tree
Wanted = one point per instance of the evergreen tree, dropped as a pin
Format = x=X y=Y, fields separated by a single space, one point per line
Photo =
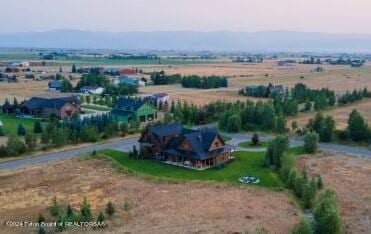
x=21 y=131
x=37 y=128
x=31 y=141
x=55 y=208
x=69 y=211
x=308 y=196
x=327 y=129
x=101 y=218
x=357 y=127
x=85 y=210
x=319 y=182
x=74 y=70
x=110 y=209
x=310 y=142
x=234 y=123
x=40 y=218
x=1 y=132
x=275 y=151
x=326 y=214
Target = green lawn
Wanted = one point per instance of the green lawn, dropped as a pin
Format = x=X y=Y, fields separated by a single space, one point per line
x=246 y=163
x=247 y=144
x=11 y=122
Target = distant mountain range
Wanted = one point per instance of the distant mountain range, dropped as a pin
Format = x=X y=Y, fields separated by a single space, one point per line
x=267 y=41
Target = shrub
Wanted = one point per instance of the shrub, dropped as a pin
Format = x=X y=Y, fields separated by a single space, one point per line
x=304 y=227
x=15 y=146
x=255 y=139
x=31 y=141
x=310 y=142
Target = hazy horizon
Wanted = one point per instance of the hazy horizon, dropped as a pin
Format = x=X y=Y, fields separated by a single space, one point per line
x=331 y=16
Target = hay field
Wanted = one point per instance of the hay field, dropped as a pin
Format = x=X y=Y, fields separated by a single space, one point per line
x=154 y=207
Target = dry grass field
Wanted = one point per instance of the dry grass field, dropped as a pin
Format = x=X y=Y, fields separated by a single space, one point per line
x=338 y=78
x=340 y=114
x=350 y=178
x=153 y=207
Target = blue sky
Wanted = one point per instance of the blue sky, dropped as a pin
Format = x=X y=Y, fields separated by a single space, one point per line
x=333 y=16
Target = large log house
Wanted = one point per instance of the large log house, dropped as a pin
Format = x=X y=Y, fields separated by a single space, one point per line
x=196 y=149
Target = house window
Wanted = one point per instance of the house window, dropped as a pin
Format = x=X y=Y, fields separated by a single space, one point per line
x=164 y=138
x=216 y=144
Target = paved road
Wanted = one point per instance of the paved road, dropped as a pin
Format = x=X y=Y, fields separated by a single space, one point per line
x=123 y=145
x=126 y=145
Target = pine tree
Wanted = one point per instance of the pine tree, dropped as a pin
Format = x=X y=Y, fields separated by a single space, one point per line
x=37 y=128
x=69 y=211
x=40 y=218
x=310 y=142
x=31 y=141
x=357 y=127
x=21 y=131
x=110 y=209
x=101 y=218
x=85 y=210
x=74 y=70
x=55 y=208
x=1 y=132
x=319 y=182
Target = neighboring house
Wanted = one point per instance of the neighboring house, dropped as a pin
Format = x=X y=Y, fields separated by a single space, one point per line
x=12 y=69
x=159 y=97
x=55 y=85
x=128 y=72
x=196 y=149
x=61 y=107
x=91 y=90
x=127 y=109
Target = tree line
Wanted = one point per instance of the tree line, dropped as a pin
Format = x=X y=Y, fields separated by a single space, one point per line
x=160 y=78
x=308 y=190
x=204 y=82
x=56 y=133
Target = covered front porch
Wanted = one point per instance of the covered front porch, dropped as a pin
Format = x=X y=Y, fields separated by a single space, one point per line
x=214 y=159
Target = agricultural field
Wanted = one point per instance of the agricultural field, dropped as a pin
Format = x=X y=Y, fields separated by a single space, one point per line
x=350 y=178
x=143 y=205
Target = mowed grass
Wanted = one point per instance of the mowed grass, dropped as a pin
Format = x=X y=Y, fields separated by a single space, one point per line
x=245 y=164
x=248 y=144
x=10 y=123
